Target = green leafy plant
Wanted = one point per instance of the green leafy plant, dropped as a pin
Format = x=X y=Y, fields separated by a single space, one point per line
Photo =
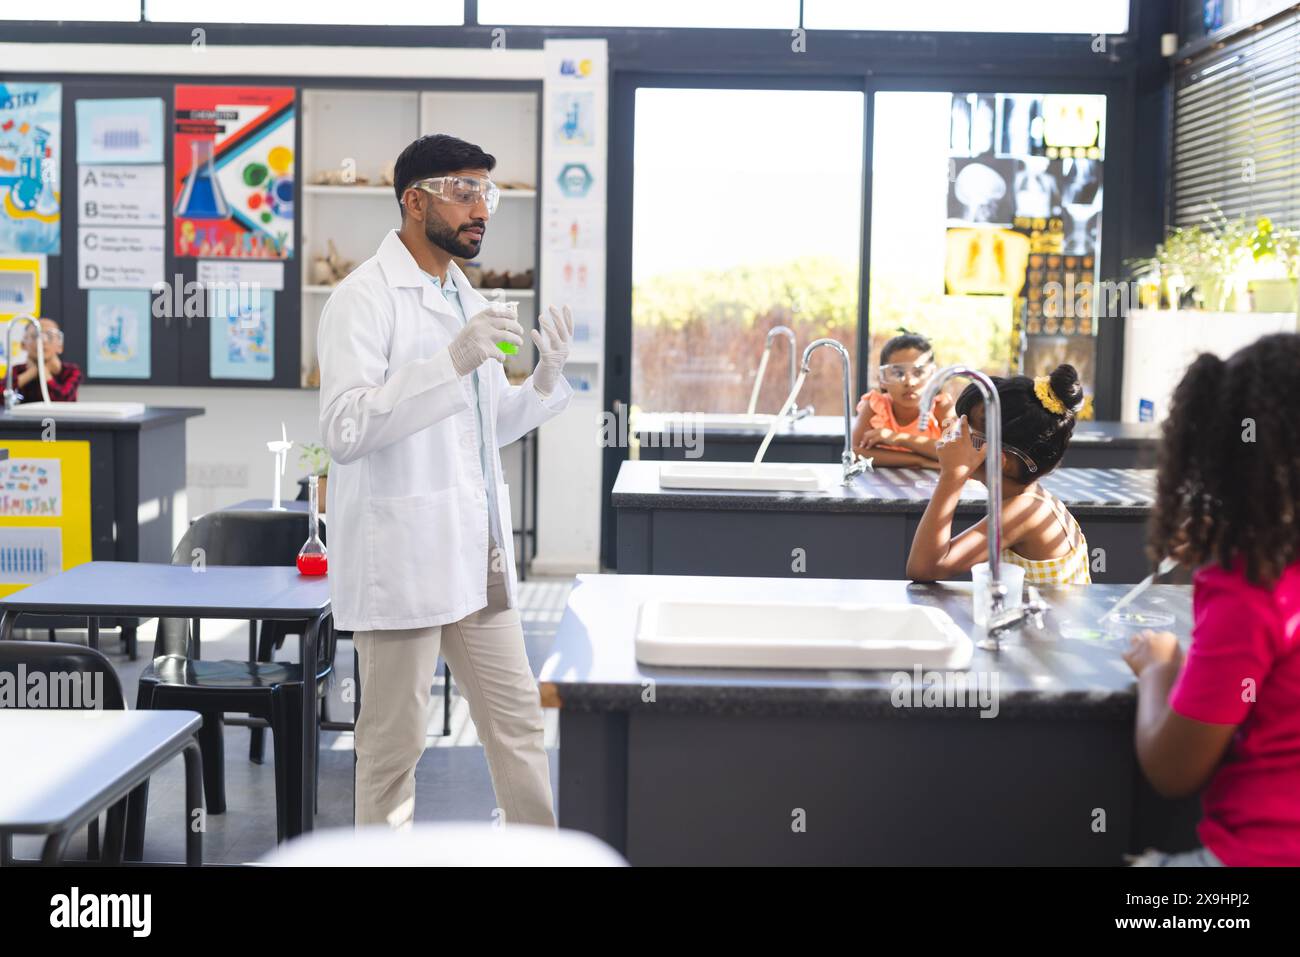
x=1216 y=258
x=315 y=458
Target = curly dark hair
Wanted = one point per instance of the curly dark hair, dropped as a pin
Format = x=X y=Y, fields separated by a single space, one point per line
x=1027 y=424
x=1228 y=469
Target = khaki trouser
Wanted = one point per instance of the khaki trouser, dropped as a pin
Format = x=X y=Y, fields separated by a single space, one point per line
x=486 y=653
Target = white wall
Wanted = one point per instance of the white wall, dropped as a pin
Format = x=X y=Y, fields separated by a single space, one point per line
x=225 y=448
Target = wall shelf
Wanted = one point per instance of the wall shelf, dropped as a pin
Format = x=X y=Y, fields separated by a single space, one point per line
x=365 y=130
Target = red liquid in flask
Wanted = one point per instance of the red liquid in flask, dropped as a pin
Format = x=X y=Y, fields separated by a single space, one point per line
x=313 y=564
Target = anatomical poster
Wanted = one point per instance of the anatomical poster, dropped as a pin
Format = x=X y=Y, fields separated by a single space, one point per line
x=30 y=128
x=233 y=181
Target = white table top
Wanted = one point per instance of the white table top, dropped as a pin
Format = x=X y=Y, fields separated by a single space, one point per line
x=56 y=763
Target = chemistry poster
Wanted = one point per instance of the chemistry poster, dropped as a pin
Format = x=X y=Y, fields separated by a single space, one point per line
x=30 y=126
x=44 y=511
x=232 y=188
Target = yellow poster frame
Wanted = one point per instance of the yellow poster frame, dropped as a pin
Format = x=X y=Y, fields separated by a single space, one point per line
x=74 y=520
x=24 y=266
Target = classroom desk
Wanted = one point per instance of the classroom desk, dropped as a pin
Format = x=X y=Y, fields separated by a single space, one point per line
x=252 y=592
x=62 y=768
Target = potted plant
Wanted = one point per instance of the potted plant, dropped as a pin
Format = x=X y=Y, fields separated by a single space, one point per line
x=317 y=461
x=1275 y=254
x=1219 y=262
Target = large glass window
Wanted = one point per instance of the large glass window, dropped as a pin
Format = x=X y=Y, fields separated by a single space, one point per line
x=717 y=14
x=747 y=214
x=127 y=11
x=369 y=13
x=986 y=227
x=963 y=16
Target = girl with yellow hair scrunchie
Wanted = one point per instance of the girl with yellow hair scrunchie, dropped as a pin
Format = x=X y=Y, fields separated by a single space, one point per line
x=1038 y=532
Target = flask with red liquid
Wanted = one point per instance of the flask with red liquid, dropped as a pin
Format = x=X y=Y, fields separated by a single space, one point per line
x=312 y=559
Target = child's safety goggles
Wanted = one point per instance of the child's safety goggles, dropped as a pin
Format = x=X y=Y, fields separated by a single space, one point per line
x=902 y=371
x=461 y=190
x=977 y=441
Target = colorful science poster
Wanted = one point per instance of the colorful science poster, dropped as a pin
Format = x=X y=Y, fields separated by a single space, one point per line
x=120 y=131
x=234 y=170
x=118 y=340
x=242 y=337
x=44 y=511
x=30 y=127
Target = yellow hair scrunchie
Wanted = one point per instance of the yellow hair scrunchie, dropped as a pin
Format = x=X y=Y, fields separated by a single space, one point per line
x=1043 y=389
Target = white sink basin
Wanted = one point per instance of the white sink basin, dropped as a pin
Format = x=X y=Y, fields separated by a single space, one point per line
x=740 y=476
x=77 y=410
x=747 y=422
x=728 y=634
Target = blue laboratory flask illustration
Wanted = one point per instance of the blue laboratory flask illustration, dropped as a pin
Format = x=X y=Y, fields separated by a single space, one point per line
x=201 y=196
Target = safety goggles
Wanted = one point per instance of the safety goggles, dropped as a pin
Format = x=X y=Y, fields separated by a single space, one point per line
x=461 y=190
x=902 y=371
x=977 y=440
x=49 y=335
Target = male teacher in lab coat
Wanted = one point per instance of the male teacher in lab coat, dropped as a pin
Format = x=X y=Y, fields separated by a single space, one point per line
x=414 y=405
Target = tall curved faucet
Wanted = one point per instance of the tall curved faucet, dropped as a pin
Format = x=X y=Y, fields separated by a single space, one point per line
x=852 y=462
x=12 y=397
x=788 y=333
x=1001 y=617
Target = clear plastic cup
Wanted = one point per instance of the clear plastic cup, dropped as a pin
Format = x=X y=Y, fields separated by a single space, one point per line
x=1012 y=576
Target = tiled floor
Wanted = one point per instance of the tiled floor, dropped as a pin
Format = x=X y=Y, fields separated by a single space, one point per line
x=452 y=781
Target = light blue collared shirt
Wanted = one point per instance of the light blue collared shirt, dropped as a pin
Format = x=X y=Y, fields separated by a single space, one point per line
x=452 y=298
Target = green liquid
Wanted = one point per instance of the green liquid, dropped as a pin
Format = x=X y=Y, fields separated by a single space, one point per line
x=509 y=348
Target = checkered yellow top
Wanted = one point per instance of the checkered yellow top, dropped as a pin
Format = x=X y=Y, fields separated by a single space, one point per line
x=1070 y=569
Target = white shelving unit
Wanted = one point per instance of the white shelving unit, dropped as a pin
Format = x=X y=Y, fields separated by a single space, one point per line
x=366 y=130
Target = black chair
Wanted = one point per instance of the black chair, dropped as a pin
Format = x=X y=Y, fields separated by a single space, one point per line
x=270 y=693
x=56 y=658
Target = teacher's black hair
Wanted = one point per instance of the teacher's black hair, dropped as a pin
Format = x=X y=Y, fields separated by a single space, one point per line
x=436 y=155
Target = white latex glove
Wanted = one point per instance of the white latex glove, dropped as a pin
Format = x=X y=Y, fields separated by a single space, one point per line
x=556 y=332
x=477 y=341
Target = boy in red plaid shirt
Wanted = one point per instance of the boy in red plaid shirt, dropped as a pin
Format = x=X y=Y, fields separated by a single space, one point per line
x=62 y=378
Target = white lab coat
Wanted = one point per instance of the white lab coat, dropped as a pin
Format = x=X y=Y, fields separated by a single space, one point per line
x=407 y=503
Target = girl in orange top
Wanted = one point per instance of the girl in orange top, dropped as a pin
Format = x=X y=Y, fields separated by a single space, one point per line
x=887 y=430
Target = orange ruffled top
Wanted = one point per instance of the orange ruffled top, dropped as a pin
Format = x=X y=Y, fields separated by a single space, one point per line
x=882 y=417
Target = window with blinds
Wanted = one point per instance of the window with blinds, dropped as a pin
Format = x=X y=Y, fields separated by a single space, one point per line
x=1236 y=137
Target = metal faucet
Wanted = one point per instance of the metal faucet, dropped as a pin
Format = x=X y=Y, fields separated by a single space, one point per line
x=12 y=396
x=788 y=333
x=1014 y=617
x=853 y=463
x=1002 y=617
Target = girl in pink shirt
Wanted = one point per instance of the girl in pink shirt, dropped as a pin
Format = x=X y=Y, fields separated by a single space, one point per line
x=1225 y=719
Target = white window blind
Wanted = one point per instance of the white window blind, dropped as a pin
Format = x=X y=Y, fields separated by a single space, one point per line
x=1236 y=139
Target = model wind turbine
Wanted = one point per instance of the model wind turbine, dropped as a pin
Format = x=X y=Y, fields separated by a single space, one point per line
x=281 y=450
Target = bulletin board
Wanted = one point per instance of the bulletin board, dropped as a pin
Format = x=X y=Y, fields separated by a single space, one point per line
x=44 y=511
